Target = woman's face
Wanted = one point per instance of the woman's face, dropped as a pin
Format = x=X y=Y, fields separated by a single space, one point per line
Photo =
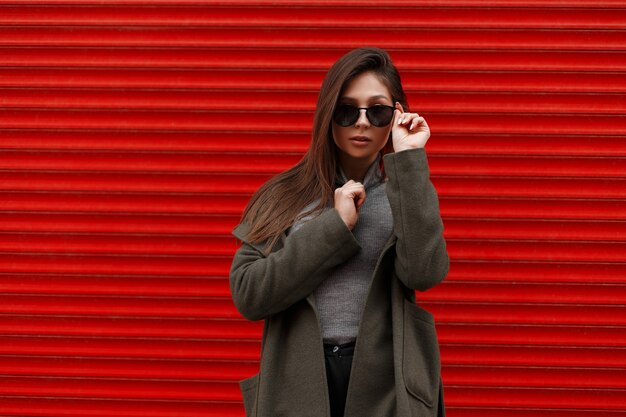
x=362 y=140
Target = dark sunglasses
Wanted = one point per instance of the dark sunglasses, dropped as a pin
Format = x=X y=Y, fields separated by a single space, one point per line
x=378 y=115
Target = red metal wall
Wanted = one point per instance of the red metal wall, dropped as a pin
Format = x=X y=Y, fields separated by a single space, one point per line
x=133 y=132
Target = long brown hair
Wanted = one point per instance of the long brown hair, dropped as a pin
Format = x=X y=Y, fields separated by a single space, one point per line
x=277 y=204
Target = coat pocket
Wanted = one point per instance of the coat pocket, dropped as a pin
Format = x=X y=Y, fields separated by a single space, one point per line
x=248 y=392
x=420 y=361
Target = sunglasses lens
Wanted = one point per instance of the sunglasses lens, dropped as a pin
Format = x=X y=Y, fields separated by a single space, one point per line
x=346 y=115
x=380 y=116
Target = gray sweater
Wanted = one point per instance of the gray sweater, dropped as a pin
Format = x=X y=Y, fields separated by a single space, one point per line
x=340 y=298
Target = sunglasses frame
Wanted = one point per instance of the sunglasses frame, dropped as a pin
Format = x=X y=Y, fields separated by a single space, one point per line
x=367 y=114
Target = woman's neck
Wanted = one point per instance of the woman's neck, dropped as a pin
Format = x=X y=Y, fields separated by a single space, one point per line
x=355 y=168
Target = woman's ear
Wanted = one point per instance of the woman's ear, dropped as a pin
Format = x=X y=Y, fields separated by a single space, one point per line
x=396 y=114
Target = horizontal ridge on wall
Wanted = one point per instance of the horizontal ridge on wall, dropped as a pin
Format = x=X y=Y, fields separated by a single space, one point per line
x=298 y=142
x=245 y=79
x=288 y=15
x=554 y=356
x=177 y=225
x=477 y=312
x=297 y=58
x=240 y=163
x=572 y=290
x=542 y=4
x=198 y=329
x=129 y=245
x=578 y=39
x=289 y=101
x=218 y=266
x=228 y=186
x=292 y=121
x=471 y=207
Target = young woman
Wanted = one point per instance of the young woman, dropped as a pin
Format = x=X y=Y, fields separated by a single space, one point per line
x=332 y=251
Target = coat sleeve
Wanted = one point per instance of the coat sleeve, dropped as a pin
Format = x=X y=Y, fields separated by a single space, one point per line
x=262 y=286
x=421 y=258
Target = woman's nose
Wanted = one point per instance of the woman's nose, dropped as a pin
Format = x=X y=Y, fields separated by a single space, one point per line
x=362 y=120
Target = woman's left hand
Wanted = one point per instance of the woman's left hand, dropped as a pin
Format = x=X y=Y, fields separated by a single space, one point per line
x=409 y=130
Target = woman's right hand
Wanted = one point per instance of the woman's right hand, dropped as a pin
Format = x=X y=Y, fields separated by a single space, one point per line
x=348 y=201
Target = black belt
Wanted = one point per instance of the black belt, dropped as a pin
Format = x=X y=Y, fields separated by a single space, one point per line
x=345 y=349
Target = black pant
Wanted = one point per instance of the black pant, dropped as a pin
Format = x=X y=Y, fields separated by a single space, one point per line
x=338 y=365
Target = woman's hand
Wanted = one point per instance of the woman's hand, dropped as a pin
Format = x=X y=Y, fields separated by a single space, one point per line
x=348 y=201
x=409 y=130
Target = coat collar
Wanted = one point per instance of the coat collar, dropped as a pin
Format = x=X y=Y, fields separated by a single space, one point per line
x=241 y=231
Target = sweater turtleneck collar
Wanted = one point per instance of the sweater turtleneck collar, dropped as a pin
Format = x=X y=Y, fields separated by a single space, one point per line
x=373 y=175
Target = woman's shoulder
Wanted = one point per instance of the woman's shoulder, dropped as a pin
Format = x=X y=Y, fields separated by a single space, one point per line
x=307 y=213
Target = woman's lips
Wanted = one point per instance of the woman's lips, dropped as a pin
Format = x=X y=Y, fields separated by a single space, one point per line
x=360 y=139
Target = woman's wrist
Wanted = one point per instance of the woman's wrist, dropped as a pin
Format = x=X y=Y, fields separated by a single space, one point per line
x=406 y=148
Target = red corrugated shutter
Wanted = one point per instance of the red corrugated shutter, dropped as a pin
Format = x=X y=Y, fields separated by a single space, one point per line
x=133 y=132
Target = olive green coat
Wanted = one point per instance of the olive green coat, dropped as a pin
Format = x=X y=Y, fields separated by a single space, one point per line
x=396 y=366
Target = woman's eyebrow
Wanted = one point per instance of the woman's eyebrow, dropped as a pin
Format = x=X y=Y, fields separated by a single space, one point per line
x=376 y=97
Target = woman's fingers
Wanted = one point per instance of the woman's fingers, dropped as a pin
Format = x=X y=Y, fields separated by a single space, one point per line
x=416 y=122
x=360 y=197
x=410 y=130
x=348 y=200
x=410 y=120
x=355 y=191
